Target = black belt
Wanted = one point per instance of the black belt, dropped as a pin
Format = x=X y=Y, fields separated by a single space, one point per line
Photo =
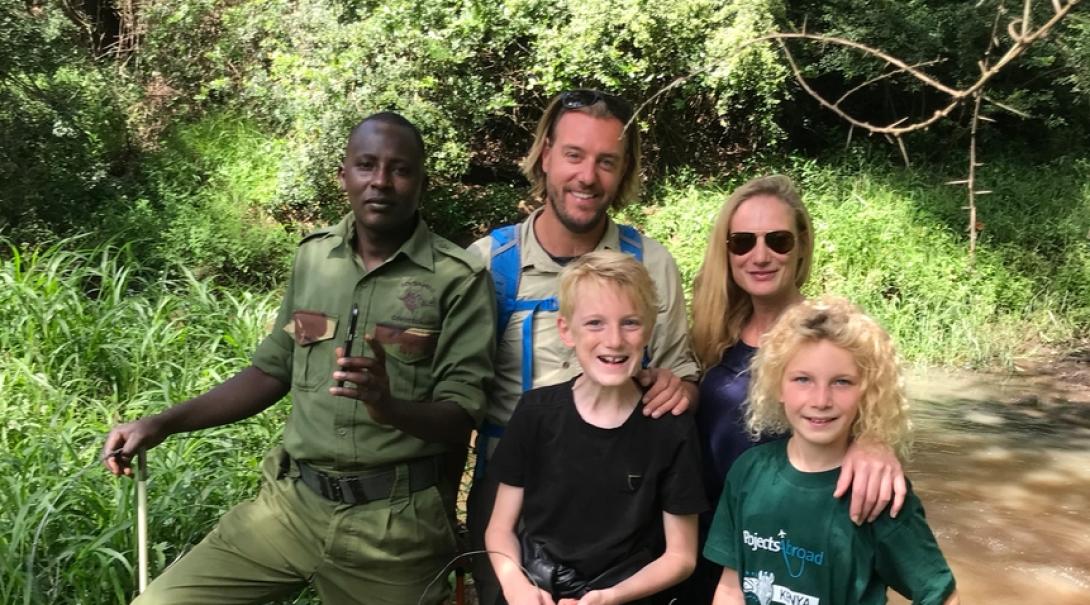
x=370 y=486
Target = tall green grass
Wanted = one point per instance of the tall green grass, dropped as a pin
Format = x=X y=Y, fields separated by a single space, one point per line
x=894 y=240
x=85 y=343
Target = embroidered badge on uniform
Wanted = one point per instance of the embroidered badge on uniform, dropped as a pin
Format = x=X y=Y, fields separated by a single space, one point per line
x=417 y=298
x=634 y=481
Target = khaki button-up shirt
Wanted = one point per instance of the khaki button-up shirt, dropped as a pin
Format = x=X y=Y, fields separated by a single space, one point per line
x=553 y=361
x=431 y=305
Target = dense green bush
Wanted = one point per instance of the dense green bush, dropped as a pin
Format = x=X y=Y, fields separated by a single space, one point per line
x=210 y=203
x=63 y=132
x=473 y=75
x=138 y=142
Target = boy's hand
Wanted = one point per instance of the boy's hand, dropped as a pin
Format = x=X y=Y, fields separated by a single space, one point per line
x=875 y=475
x=533 y=596
x=594 y=597
x=667 y=392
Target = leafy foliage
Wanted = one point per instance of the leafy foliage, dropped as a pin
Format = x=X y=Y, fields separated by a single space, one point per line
x=465 y=71
x=99 y=141
x=209 y=204
x=63 y=135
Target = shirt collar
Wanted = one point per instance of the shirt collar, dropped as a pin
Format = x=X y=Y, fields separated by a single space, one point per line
x=418 y=248
x=534 y=255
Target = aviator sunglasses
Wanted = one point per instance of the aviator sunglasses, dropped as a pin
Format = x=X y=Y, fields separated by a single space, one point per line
x=741 y=242
x=585 y=97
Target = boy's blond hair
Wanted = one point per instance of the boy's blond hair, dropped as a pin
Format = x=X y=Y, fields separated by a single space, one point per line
x=612 y=268
x=883 y=407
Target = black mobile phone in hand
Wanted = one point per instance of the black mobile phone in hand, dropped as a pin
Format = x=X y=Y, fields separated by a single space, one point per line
x=350 y=337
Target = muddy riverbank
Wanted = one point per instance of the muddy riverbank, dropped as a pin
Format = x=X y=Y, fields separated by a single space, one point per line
x=1003 y=466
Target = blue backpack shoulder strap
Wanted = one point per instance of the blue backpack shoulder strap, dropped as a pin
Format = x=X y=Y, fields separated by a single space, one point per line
x=506 y=266
x=631 y=241
x=506 y=269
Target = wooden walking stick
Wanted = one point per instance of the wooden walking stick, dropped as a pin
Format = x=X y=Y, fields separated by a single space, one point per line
x=142 y=519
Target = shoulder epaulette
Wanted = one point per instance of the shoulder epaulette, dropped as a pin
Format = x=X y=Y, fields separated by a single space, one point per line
x=449 y=248
x=319 y=234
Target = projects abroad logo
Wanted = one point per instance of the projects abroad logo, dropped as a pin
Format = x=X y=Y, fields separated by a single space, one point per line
x=793 y=554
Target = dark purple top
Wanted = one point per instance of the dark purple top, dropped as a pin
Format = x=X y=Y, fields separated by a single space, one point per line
x=720 y=418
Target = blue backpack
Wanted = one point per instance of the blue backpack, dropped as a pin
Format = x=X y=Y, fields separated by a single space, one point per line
x=506 y=271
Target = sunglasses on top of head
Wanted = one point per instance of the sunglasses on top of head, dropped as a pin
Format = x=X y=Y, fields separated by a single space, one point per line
x=585 y=97
x=741 y=242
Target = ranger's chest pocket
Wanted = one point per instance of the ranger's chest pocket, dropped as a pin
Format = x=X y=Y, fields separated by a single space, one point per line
x=409 y=354
x=314 y=333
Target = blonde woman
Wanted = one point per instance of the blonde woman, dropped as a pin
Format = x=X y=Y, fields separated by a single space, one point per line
x=758 y=258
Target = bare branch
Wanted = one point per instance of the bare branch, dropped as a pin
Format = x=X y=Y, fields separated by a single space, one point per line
x=1011 y=31
x=904 y=151
x=978 y=96
x=891 y=129
x=891 y=60
x=888 y=74
x=1021 y=41
x=677 y=82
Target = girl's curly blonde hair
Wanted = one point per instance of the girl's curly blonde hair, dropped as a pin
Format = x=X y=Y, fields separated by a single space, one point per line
x=883 y=407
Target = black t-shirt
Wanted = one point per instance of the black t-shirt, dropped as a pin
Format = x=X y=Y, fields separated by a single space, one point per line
x=593 y=497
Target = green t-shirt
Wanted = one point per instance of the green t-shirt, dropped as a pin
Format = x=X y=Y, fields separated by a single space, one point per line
x=791 y=542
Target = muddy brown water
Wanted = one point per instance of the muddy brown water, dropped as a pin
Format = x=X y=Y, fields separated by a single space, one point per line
x=1002 y=465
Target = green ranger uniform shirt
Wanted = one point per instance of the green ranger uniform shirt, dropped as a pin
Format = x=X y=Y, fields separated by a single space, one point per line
x=791 y=542
x=431 y=305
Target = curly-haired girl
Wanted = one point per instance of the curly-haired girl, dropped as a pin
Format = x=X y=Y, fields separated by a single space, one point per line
x=828 y=374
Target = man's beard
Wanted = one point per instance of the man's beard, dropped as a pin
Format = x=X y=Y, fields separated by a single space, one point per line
x=571 y=223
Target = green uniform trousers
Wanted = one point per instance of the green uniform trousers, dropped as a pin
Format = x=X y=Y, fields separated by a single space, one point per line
x=379 y=553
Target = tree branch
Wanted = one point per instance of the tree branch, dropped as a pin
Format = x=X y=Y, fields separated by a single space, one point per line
x=888 y=74
x=1021 y=41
